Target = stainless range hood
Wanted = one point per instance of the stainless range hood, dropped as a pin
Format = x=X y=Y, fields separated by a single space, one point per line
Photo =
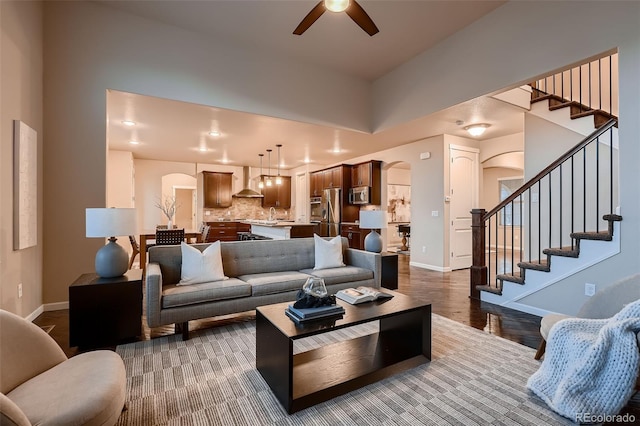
x=247 y=192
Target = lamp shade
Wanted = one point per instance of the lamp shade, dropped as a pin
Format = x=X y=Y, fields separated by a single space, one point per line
x=373 y=219
x=110 y=222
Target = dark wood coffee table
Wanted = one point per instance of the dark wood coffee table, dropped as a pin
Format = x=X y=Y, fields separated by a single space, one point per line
x=303 y=380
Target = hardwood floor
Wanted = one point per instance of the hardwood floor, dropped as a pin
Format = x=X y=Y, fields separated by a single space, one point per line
x=448 y=293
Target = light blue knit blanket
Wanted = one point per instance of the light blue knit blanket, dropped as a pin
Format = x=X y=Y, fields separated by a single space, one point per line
x=590 y=365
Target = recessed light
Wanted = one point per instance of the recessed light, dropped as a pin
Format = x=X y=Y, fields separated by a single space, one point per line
x=128 y=123
x=214 y=133
x=134 y=142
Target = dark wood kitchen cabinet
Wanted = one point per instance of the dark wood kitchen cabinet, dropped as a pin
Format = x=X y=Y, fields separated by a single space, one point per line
x=368 y=174
x=217 y=189
x=278 y=196
x=316 y=184
x=332 y=178
x=354 y=235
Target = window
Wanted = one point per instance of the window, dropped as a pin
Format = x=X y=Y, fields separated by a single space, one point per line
x=510 y=214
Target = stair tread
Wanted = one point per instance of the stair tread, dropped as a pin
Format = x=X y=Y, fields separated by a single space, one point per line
x=563 y=251
x=514 y=278
x=489 y=289
x=597 y=236
x=542 y=265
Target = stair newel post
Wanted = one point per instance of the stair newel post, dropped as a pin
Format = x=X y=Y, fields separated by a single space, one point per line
x=479 y=265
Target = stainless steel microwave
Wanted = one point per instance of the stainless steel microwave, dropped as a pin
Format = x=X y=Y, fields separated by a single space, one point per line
x=360 y=195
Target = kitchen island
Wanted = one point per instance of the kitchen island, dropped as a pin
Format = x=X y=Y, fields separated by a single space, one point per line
x=280 y=230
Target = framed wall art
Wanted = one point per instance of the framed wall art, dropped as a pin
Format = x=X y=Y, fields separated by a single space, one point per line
x=399 y=203
x=25 y=186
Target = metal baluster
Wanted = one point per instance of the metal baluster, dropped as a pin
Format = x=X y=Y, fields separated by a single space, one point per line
x=584 y=189
x=560 y=198
x=597 y=142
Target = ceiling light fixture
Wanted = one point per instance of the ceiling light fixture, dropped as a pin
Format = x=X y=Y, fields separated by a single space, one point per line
x=128 y=123
x=202 y=149
x=477 y=129
x=261 y=182
x=134 y=142
x=336 y=5
x=269 y=182
x=278 y=178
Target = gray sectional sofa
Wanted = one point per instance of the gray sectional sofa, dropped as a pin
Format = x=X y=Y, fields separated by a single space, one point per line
x=260 y=272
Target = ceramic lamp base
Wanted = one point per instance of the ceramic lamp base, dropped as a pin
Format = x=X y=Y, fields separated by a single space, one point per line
x=111 y=260
x=373 y=242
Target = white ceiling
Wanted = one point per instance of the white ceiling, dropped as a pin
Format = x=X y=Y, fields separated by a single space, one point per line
x=175 y=131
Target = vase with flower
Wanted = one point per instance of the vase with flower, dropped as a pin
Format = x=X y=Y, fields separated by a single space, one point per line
x=168 y=207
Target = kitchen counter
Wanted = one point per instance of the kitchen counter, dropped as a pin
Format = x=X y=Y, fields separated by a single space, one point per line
x=280 y=230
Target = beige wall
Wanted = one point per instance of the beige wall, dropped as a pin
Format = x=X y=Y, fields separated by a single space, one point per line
x=21 y=98
x=84 y=57
x=120 y=174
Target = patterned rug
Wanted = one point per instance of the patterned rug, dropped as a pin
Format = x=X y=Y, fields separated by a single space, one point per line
x=474 y=378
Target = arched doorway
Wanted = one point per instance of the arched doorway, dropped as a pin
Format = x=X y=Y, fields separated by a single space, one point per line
x=398 y=206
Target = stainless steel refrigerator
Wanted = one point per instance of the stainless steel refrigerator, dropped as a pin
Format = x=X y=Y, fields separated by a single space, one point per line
x=331 y=207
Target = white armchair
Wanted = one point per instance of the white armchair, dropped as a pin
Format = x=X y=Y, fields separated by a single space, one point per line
x=604 y=304
x=40 y=385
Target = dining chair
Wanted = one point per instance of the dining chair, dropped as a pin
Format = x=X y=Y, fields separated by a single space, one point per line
x=205 y=233
x=136 y=249
x=169 y=236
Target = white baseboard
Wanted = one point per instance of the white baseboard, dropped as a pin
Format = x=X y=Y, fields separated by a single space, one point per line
x=57 y=306
x=430 y=267
x=33 y=315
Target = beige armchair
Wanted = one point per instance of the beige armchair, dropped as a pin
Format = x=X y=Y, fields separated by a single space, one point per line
x=604 y=304
x=40 y=385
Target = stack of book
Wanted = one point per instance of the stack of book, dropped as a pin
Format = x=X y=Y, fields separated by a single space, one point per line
x=304 y=315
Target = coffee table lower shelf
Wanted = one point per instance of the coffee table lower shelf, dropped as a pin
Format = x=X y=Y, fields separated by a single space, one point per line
x=306 y=379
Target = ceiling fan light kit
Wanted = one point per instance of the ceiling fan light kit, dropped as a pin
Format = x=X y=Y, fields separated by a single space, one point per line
x=350 y=7
x=336 y=5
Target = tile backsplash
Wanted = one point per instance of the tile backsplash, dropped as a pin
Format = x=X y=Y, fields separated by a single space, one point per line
x=245 y=208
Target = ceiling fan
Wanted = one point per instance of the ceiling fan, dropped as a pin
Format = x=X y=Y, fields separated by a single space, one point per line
x=351 y=7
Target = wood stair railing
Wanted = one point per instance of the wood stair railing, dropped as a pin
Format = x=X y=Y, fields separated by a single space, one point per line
x=579 y=208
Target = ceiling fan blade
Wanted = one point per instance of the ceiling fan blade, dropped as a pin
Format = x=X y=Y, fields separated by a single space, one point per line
x=360 y=17
x=311 y=17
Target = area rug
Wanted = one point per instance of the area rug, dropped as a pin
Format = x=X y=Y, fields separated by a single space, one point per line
x=474 y=378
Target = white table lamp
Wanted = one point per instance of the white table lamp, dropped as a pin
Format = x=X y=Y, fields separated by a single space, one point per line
x=111 y=260
x=373 y=219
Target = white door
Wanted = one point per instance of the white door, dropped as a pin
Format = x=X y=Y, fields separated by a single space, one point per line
x=463 y=193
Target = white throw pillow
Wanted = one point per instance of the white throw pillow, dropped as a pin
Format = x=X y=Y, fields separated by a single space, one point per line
x=328 y=253
x=201 y=267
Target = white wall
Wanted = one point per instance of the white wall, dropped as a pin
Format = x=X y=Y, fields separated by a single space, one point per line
x=21 y=98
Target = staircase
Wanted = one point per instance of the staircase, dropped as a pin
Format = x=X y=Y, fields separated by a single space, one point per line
x=565 y=217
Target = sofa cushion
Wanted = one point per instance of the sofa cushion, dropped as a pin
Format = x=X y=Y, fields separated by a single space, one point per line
x=201 y=266
x=174 y=295
x=328 y=254
x=275 y=282
x=341 y=275
x=87 y=389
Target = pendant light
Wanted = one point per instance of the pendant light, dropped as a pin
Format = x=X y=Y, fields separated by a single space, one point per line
x=278 y=178
x=269 y=182
x=261 y=183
